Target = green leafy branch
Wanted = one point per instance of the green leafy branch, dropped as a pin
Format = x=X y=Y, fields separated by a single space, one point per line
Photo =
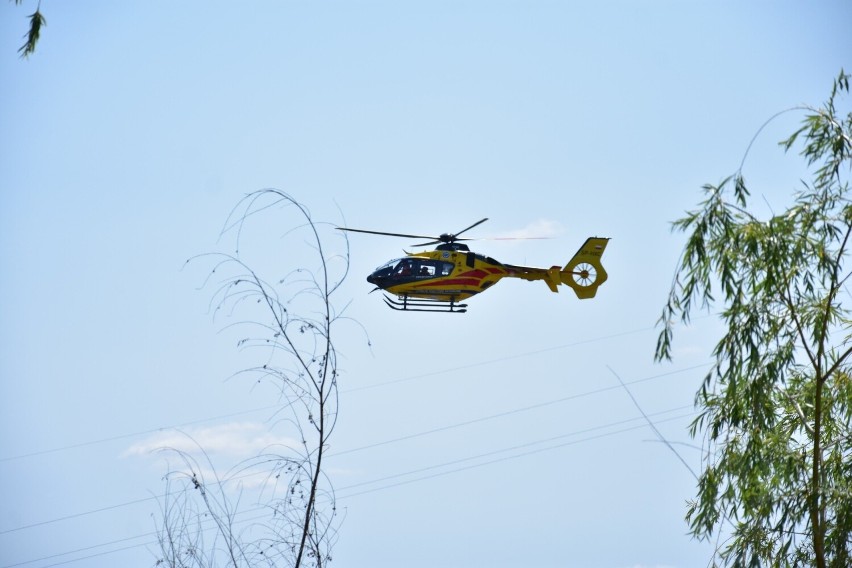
x=776 y=408
x=37 y=21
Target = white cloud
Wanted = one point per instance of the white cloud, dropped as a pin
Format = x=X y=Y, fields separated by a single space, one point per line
x=540 y=229
x=238 y=440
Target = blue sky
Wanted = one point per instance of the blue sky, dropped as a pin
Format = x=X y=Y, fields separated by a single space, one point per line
x=130 y=134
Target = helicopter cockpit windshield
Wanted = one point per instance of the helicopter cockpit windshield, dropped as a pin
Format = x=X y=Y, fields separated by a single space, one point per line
x=415 y=268
x=387 y=270
x=387 y=267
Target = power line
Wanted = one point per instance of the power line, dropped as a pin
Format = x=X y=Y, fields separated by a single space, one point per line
x=395 y=476
x=134 y=434
x=361 y=448
x=344 y=391
x=514 y=411
x=517 y=447
x=85 y=549
x=385 y=442
x=499 y=359
x=77 y=515
x=660 y=437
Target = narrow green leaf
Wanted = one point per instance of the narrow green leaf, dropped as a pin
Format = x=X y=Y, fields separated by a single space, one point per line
x=36 y=23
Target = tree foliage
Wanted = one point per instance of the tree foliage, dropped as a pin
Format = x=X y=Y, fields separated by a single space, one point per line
x=37 y=21
x=775 y=409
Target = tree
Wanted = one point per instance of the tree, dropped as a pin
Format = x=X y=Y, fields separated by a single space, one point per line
x=775 y=409
x=37 y=21
x=291 y=323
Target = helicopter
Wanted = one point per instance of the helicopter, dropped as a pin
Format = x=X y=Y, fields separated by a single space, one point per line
x=439 y=280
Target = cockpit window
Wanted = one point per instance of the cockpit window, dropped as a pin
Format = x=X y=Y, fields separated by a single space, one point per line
x=416 y=268
x=386 y=265
x=405 y=267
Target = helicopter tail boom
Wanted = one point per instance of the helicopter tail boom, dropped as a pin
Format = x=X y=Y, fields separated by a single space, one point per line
x=583 y=273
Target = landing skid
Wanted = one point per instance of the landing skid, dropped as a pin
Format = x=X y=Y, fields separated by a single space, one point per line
x=407 y=304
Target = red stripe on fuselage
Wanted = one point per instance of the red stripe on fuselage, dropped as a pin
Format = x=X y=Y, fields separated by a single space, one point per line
x=473 y=274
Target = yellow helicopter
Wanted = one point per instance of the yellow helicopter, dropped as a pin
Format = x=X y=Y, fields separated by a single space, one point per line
x=437 y=280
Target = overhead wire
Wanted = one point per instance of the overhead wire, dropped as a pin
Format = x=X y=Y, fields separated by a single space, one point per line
x=85 y=549
x=365 y=447
x=660 y=437
x=136 y=434
x=388 y=441
x=391 y=477
x=78 y=515
x=499 y=359
x=514 y=411
x=513 y=448
x=343 y=391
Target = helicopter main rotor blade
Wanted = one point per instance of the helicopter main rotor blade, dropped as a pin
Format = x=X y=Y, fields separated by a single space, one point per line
x=443 y=238
x=439 y=241
x=469 y=228
x=405 y=236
